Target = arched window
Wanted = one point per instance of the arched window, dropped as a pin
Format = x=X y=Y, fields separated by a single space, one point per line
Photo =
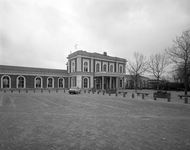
x=73 y=67
x=105 y=67
x=38 y=82
x=98 y=83
x=73 y=81
x=85 y=83
x=121 y=69
x=50 y=82
x=85 y=66
x=61 y=83
x=6 y=82
x=20 y=82
x=120 y=83
x=111 y=68
x=97 y=67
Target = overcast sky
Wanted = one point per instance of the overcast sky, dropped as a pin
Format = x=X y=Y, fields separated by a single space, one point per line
x=42 y=33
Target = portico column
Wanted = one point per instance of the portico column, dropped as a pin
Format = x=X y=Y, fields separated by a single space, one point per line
x=95 y=83
x=116 y=83
x=110 y=82
x=123 y=83
x=69 y=82
x=102 y=82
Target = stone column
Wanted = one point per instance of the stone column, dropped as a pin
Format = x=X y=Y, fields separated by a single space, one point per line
x=110 y=82
x=91 y=82
x=69 y=82
x=95 y=83
x=102 y=82
x=117 y=82
x=92 y=65
x=68 y=64
x=123 y=83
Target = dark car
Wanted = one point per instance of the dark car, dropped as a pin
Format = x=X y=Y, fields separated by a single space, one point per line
x=74 y=90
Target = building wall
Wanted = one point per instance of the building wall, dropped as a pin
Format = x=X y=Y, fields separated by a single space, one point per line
x=30 y=80
x=92 y=60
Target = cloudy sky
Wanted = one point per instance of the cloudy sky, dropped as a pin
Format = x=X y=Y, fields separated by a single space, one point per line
x=41 y=33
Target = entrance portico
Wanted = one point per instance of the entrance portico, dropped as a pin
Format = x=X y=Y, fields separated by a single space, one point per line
x=107 y=82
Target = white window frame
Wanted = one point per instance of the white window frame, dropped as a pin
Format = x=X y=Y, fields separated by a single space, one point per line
x=35 y=82
x=17 y=81
x=88 y=63
x=87 y=82
x=98 y=62
x=9 y=81
x=72 y=66
x=120 y=67
x=111 y=64
x=73 y=83
x=62 y=83
x=105 y=63
x=120 y=83
x=52 y=82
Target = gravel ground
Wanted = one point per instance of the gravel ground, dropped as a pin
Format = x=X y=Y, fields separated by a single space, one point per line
x=59 y=121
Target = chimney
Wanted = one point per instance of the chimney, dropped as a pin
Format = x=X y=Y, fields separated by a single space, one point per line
x=105 y=53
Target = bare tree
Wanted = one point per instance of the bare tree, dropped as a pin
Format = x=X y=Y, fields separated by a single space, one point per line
x=157 y=64
x=180 y=54
x=137 y=67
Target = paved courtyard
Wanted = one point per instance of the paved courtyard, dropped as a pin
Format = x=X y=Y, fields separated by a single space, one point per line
x=59 y=121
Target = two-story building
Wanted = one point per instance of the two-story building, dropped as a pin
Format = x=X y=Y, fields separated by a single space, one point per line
x=94 y=70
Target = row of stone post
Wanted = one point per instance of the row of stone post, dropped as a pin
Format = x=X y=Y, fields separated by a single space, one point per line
x=133 y=96
x=34 y=91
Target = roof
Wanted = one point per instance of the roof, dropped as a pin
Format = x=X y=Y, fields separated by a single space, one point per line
x=95 y=55
x=31 y=70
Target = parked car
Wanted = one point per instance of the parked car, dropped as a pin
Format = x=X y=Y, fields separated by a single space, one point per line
x=74 y=90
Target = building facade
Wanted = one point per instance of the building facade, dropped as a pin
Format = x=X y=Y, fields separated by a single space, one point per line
x=14 y=77
x=94 y=70
x=84 y=69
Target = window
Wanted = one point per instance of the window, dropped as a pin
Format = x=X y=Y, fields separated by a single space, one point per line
x=121 y=69
x=120 y=83
x=73 y=81
x=111 y=68
x=20 y=82
x=98 y=83
x=85 y=83
x=85 y=67
x=97 y=67
x=6 y=82
x=38 y=82
x=105 y=67
x=61 y=83
x=73 y=67
x=50 y=82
